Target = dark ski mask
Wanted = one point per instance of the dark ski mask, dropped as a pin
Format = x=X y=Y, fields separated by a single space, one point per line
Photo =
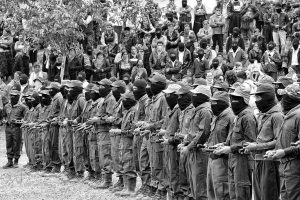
x=289 y=102
x=271 y=47
x=234 y=47
x=73 y=93
x=28 y=102
x=46 y=100
x=238 y=104
x=104 y=90
x=117 y=92
x=181 y=47
x=184 y=3
x=14 y=99
x=218 y=107
x=295 y=44
x=215 y=63
x=149 y=92
x=87 y=95
x=156 y=88
x=173 y=57
x=198 y=99
x=172 y=100
x=139 y=92
x=64 y=92
x=266 y=102
x=279 y=86
x=184 y=101
x=128 y=103
x=53 y=92
x=95 y=96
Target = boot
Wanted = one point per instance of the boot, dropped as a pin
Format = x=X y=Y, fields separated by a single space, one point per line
x=131 y=187
x=16 y=163
x=107 y=182
x=125 y=186
x=139 y=191
x=118 y=186
x=160 y=194
x=8 y=165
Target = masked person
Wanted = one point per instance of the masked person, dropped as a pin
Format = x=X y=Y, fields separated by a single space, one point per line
x=244 y=130
x=235 y=37
x=184 y=57
x=76 y=101
x=102 y=125
x=217 y=169
x=285 y=151
x=185 y=15
x=159 y=37
x=271 y=61
x=200 y=66
x=266 y=173
x=118 y=88
x=127 y=160
x=280 y=85
x=156 y=115
x=13 y=114
x=198 y=133
x=217 y=22
x=236 y=55
x=173 y=67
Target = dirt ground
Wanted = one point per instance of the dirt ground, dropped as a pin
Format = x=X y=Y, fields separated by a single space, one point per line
x=21 y=184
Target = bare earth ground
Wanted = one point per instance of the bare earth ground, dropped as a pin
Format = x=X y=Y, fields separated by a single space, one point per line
x=21 y=184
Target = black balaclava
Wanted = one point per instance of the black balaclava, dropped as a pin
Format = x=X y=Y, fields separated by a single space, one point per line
x=236 y=32
x=173 y=57
x=172 y=100
x=23 y=79
x=149 y=92
x=53 y=92
x=278 y=10
x=128 y=103
x=215 y=63
x=87 y=95
x=238 y=104
x=158 y=32
x=203 y=44
x=46 y=100
x=184 y=3
x=289 y=102
x=14 y=99
x=266 y=102
x=279 y=86
x=73 y=93
x=139 y=92
x=271 y=46
x=64 y=91
x=295 y=43
x=201 y=54
x=105 y=91
x=181 y=47
x=95 y=96
x=234 y=46
x=156 y=88
x=117 y=92
x=184 y=101
x=198 y=99
x=28 y=102
x=219 y=107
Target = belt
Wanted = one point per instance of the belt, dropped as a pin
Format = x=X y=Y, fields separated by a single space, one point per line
x=285 y=160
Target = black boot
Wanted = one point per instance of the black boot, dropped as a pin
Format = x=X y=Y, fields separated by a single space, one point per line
x=107 y=182
x=118 y=186
x=9 y=164
x=16 y=163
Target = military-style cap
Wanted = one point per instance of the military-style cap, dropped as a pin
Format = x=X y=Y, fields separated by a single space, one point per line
x=119 y=83
x=128 y=95
x=65 y=82
x=16 y=86
x=15 y=92
x=158 y=78
x=202 y=89
x=172 y=88
x=266 y=79
x=44 y=92
x=235 y=85
x=54 y=85
x=75 y=83
x=199 y=81
x=264 y=88
x=96 y=88
x=221 y=96
x=285 y=81
x=293 y=90
x=223 y=85
x=242 y=91
x=89 y=86
x=105 y=82
x=183 y=89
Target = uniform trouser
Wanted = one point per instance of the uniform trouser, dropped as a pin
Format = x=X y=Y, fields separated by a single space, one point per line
x=104 y=149
x=266 y=181
x=127 y=162
x=37 y=145
x=290 y=180
x=137 y=145
x=54 y=152
x=93 y=152
x=173 y=169
x=62 y=144
x=184 y=187
x=13 y=136
x=68 y=151
x=145 y=162
x=115 y=153
x=239 y=176
x=279 y=39
x=197 y=172
x=30 y=153
x=78 y=150
x=156 y=163
x=86 y=151
x=46 y=146
x=217 y=179
x=26 y=142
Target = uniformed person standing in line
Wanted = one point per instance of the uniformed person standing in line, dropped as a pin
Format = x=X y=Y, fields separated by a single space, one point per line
x=266 y=181
x=13 y=114
x=244 y=130
x=217 y=169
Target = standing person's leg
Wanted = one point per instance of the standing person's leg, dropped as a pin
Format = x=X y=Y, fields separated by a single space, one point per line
x=282 y=38
x=9 y=147
x=17 y=138
x=215 y=40
x=276 y=40
x=220 y=42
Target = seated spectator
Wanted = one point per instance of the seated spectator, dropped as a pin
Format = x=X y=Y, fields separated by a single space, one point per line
x=173 y=68
x=235 y=54
x=36 y=73
x=73 y=65
x=205 y=33
x=255 y=54
x=158 y=58
x=139 y=72
x=101 y=68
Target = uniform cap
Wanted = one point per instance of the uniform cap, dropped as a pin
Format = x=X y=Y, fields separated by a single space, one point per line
x=293 y=90
x=221 y=96
x=15 y=92
x=89 y=86
x=44 y=92
x=96 y=88
x=235 y=85
x=172 y=88
x=285 y=81
x=54 y=85
x=242 y=91
x=105 y=82
x=65 y=82
x=128 y=95
x=158 y=78
x=266 y=79
x=200 y=81
x=16 y=86
x=184 y=89
x=119 y=83
x=223 y=85
x=202 y=89
x=140 y=83
x=75 y=83
x=264 y=88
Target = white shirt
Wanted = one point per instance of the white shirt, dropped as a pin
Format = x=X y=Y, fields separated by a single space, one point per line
x=180 y=56
x=295 y=57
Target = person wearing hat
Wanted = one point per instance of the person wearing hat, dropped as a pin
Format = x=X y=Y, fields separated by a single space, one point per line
x=13 y=112
x=56 y=104
x=217 y=169
x=109 y=37
x=220 y=87
x=244 y=130
x=76 y=101
x=281 y=84
x=279 y=22
x=198 y=130
x=102 y=123
x=266 y=172
x=285 y=151
x=152 y=124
